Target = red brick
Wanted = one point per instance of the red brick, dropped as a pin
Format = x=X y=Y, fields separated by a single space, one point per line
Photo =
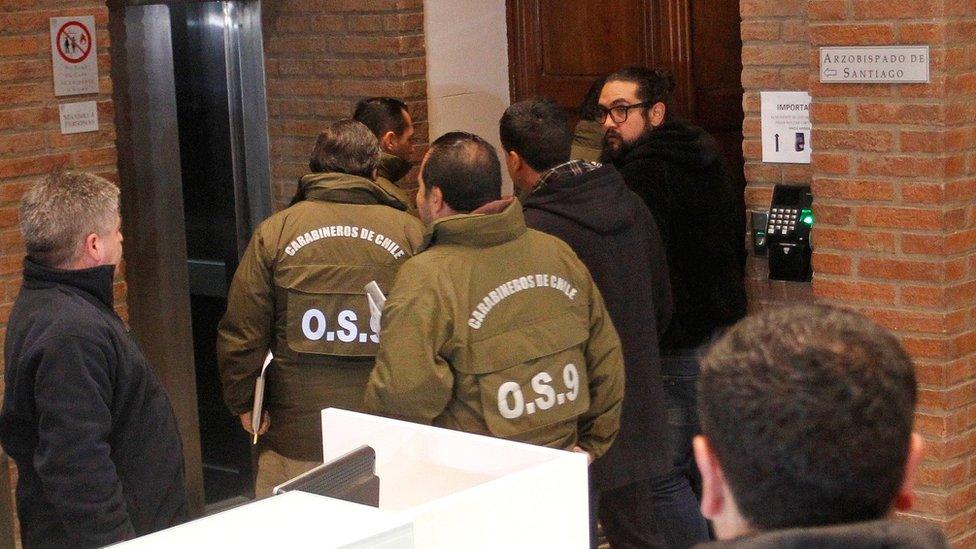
x=19 y=167
x=922 y=33
x=819 y=90
x=826 y=10
x=829 y=113
x=761 y=77
x=856 y=140
x=404 y=22
x=12 y=46
x=908 y=321
x=852 y=189
x=760 y=8
x=926 y=347
x=827 y=214
x=850 y=35
x=17 y=94
x=889 y=113
x=924 y=296
x=830 y=163
x=964 y=241
x=20 y=143
x=759 y=30
x=828 y=238
x=922 y=141
x=847 y=291
x=903 y=218
x=900 y=166
x=761 y=196
x=25 y=69
x=795 y=78
x=825 y=263
x=897 y=269
x=308 y=23
x=29 y=117
x=772 y=54
x=364 y=23
x=887 y=9
x=940 y=474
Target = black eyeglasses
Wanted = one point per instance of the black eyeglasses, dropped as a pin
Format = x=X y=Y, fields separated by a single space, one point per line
x=619 y=113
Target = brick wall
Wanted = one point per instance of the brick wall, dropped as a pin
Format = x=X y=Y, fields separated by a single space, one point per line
x=893 y=184
x=774 y=57
x=31 y=143
x=322 y=56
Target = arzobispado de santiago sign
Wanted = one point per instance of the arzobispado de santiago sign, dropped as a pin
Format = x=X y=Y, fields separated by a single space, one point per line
x=874 y=64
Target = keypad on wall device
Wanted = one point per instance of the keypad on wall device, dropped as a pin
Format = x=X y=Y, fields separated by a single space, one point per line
x=782 y=220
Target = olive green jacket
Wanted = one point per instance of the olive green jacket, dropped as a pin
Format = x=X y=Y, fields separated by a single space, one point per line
x=499 y=329
x=588 y=141
x=299 y=292
x=390 y=175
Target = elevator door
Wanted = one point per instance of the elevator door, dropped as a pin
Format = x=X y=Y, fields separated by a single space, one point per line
x=194 y=168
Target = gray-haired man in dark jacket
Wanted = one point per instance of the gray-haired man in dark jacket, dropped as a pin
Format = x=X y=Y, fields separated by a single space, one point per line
x=88 y=423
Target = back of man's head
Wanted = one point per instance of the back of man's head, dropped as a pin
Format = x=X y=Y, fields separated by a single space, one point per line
x=465 y=168
x=59 y=212
x=809 y=412
x=538 y=131
x=589 y=107
x=347 y=147
x=653 y=85
x=381 y=115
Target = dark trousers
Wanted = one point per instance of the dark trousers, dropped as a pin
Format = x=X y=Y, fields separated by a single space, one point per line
x=627 y=516
x=676 y=506
x=657 y=512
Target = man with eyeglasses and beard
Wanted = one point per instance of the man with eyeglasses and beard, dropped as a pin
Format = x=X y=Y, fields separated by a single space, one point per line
x=677 y=169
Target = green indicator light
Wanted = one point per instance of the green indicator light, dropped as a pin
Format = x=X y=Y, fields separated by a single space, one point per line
x=806 y=216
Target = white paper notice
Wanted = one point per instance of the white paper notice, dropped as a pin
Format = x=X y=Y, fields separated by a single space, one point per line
x=74 y=55
x=79 y=117
x=786 y=127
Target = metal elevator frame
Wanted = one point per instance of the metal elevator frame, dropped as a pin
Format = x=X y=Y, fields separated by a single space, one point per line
x=158 y=273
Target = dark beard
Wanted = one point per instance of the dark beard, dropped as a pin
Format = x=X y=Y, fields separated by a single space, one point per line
x=611 y=156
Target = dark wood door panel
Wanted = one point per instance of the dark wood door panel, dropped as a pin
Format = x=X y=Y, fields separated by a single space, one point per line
x=579 y=40
x=716 y=65
x=558 y=47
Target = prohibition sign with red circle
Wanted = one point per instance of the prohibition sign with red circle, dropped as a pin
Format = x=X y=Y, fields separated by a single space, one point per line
x=74 y=42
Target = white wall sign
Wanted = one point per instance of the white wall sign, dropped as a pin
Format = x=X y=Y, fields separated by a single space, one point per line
x=75 y=55
x=78 y=117
x=785 y=127
x=874 y=64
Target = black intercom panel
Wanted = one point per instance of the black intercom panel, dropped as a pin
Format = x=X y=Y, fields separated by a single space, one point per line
x=788 y=233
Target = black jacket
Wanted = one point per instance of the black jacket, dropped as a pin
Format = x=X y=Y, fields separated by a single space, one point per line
x=614 y=234
x=87 y=422
x=879 y=534
x=677 y=169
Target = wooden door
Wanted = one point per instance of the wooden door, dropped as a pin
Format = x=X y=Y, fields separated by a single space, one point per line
x=558 y=47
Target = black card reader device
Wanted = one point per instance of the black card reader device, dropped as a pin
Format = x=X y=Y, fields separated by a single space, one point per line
x=788 y=233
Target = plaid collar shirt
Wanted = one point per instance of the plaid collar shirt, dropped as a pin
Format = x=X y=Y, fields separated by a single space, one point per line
x=572 y=168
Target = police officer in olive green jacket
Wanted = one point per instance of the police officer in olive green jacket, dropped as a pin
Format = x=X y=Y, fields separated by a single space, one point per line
x=299 y=292
x=495 y=329
x=389 y=120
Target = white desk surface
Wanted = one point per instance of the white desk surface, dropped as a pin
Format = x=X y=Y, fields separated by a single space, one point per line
x=295 y=519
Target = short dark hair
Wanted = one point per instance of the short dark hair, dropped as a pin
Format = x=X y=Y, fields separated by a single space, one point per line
x=348 y=147
x=538 y=130
x=381 y=115
x=653 y=85
x=809 y=411
x=589 y=108
x=465 y=168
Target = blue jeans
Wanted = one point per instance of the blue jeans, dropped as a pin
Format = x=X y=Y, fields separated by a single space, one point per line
x=676 y=509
